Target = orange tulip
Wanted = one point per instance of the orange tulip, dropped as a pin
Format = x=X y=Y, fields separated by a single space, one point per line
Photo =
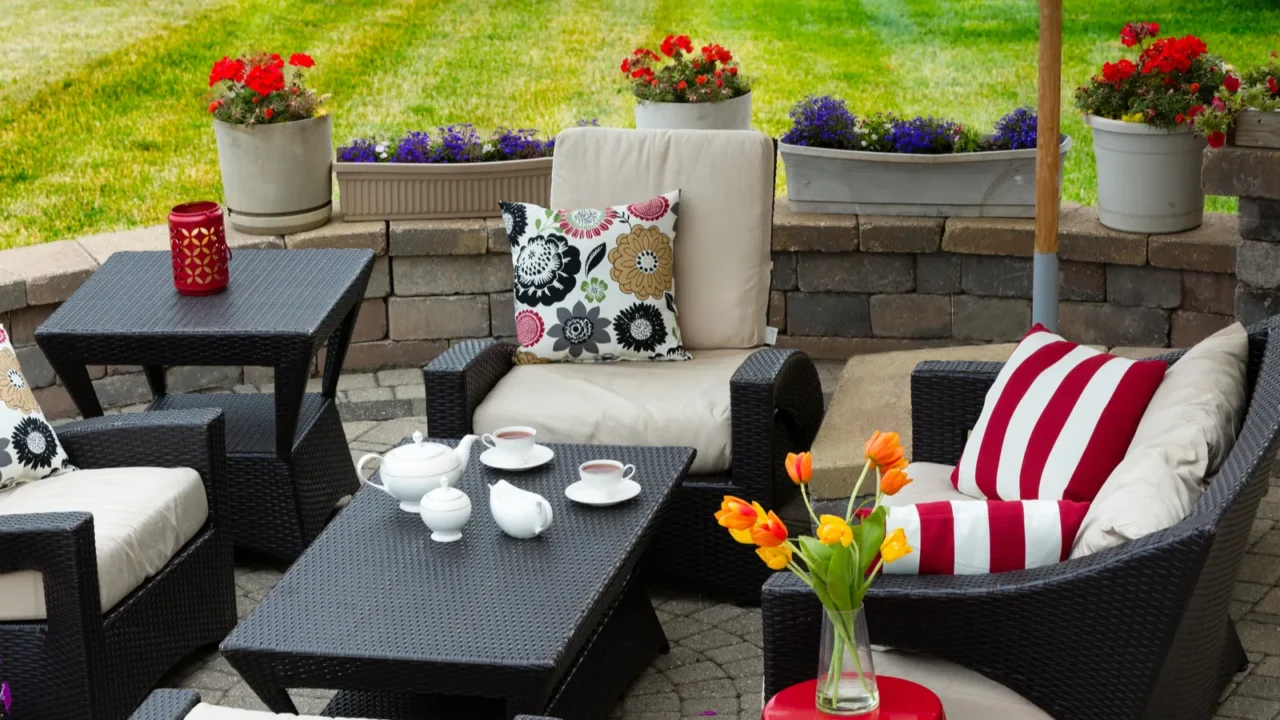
x=776 y=558
x=736 y=513
x=800 y=467
x=769 y=531
x=885 y=450
x=895 y=546
x=893 y=481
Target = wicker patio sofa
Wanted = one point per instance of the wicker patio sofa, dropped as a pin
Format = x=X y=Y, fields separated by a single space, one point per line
x=771 y=396
x=1137 y=631
x=180 y=704
x=81 y=662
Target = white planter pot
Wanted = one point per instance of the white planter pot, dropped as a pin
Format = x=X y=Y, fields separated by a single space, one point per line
x=276 y=178
x=999 y=183
x=1148 y=178
x=732 y=114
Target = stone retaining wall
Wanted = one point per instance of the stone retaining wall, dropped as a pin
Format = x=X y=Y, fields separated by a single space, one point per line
x=1253 y=175
x=842 y=285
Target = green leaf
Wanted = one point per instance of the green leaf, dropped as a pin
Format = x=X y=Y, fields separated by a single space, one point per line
x=872 y=537
x=816 y=556
x=840 y=578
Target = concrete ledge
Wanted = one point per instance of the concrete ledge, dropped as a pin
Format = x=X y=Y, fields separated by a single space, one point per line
x=1210 y=247
x=438 y=237
x=156 y=237
x=809 y=232
x=341 y=234
x=1242 y=172
x=13 y=291
x=51 y=271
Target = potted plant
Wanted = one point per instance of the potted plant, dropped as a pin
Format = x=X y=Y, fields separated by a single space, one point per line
x=689 y=92
x=274 y=143
x=839 y=562
x=1142 y=115
x=454 y=173
x=886 y=165
x=1246 y=110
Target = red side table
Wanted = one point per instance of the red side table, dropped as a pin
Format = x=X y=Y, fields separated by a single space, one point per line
x=899 y=700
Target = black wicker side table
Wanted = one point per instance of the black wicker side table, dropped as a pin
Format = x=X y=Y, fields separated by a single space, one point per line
x=485 y=627
x=287 y=458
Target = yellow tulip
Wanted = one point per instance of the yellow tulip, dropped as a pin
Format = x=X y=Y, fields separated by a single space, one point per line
x=833 y=529
x=895 y=546
x=777 y=558
x=742 y=536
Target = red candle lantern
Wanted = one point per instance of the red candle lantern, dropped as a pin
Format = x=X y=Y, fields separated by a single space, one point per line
x=198 y=241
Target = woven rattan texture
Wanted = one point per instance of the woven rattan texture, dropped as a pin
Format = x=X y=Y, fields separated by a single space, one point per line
x=375 y=605
x=167 y=705
x=1138 y=631
x=81 y=663
x=277 y=507
x=776 y=406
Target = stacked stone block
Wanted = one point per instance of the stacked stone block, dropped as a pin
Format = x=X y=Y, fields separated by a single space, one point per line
x=1253 y=175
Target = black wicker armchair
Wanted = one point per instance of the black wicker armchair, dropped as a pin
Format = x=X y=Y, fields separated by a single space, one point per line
x=775 y=399
x=176 y=704
x=80 y=662
x=1137 y=631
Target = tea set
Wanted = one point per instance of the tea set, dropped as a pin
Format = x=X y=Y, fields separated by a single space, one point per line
x=423 y=478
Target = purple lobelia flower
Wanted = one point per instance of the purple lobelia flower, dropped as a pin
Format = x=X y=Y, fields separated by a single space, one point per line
x=923 y=135
x=359 y=150
x=517 y=145
x=823 y=121
x=1015 y=131
x=6 y=697
x=457 y=144
x=415 y=147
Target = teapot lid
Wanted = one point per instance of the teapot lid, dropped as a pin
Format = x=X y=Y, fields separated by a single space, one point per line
x=446 y=498
x=419 y=458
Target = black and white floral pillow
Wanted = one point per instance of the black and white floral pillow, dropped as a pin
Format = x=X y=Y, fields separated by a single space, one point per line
x=29 y=449
x=595 y=284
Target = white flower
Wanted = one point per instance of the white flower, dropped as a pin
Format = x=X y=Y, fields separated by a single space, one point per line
x=864 y=143
x=382 y=155
x=873 y=137
x=380 y=147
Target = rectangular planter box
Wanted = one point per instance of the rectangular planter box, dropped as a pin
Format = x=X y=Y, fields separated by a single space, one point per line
x=1257 y=129
x=1000 y=183
x=407 y=191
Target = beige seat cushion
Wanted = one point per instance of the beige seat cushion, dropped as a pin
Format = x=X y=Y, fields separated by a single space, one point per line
x=1185 y=433
x=205 y=711
x=141 y=518
x=930 y=482
x=965 y=694
x=726 y=186
x=684 y=404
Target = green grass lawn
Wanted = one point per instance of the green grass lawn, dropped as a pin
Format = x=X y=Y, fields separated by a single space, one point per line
x=101 y=101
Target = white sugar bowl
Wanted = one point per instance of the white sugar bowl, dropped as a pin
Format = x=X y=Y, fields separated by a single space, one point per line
x=445 y=510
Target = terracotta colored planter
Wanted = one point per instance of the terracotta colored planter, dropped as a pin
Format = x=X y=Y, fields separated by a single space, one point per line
x=407 y=191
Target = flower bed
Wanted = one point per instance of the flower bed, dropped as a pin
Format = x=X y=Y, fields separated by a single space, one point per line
x=454 y=173
x=886 y=165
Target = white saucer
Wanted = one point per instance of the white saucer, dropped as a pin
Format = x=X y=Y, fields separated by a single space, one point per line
x=621 y=492
x=539 y=455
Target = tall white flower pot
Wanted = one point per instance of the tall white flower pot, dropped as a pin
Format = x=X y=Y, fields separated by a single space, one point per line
x=1148 y=178
x=276 y=178
x=732 y=114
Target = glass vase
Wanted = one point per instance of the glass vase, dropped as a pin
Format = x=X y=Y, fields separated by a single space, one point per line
x=846 y=676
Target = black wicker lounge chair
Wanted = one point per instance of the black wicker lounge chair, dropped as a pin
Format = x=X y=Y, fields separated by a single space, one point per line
x=82 y=663
x=775 y=397
x=177 y=704
x=1137 y=631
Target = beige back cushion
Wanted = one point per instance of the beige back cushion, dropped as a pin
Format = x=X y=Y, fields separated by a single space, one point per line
x=1184 y=435
x=205 y=711
x=722 y=239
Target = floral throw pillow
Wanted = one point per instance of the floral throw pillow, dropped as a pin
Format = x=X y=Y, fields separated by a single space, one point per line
x=595 y=285
x=29 y=449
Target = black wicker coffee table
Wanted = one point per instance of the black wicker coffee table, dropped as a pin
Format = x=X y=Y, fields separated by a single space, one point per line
x=486 y=627
x=287 y=458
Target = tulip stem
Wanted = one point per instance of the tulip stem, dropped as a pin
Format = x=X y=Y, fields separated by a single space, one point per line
x=804 y=494
x=848 y=513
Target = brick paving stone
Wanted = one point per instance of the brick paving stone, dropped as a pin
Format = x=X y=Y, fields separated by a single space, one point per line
x=680 y=628
x=697 y=672
x=351 y=381
x=1249 y=708
x=1269 y=667
x=1238 y=610
x=709 y=640
x=1270 y=603
x=650 y=682
x=717 y=614
x=733 y=653
x=718 y=688
x=1249 y=592
x=748 y=668
x=399 y=376
x=1257 y=637
x=1260 y=569
x=1260 y=686
x=678 y=657
x=699 y=707
x=656 y=702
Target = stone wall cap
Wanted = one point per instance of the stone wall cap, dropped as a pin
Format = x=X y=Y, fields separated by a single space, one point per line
x=156 y=237
x=455 y=236
x=337 y=233
x=51 y=271
x=1242 y=172
x=1210 y=247
x=13 y=290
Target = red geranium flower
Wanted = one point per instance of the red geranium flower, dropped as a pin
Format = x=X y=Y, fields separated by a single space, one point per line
x=1271 y=85
x=1117 y=73
x=733 y=71
x=1177 y=119
x=1217 y=139
x=719 y=82
x=684 y=43
x=1195 y=88
x=301 y=60
x=701 y=79
x=626 y=65
x=265 y=79
x=1194 y=110
x=682 y=85
x=668 y=46
x=1231 y=83
x=213 y=106
x=268 y=113
x=226 y=69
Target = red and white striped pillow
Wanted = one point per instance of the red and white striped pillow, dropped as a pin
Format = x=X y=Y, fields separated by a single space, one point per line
x=1056 y=422
x=976 y=537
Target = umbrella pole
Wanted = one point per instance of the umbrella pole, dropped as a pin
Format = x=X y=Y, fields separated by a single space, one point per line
x=1044 y=294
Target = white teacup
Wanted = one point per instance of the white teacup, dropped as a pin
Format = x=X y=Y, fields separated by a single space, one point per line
x=514 y=441
x=604 y=476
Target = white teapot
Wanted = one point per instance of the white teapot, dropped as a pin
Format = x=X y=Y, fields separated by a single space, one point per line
x=411 y=470
x=520 y=513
